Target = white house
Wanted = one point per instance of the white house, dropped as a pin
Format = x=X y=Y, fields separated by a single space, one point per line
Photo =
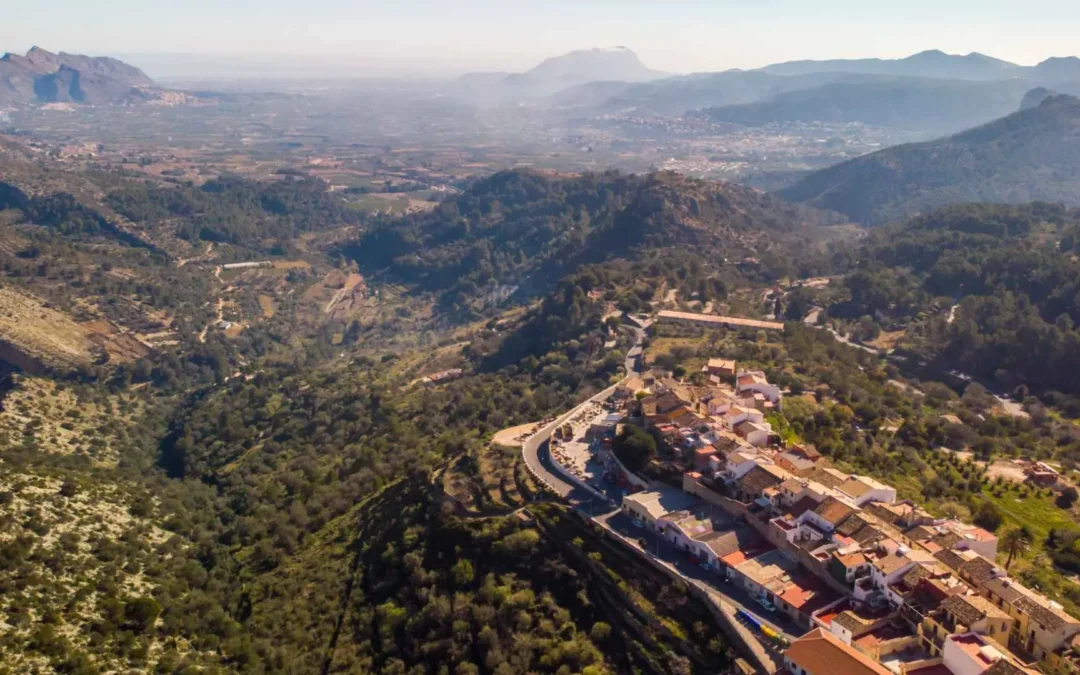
x=863 y=489
x=755 y=381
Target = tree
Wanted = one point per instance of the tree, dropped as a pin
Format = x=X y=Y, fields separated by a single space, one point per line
x=69 y=488
x=600 y=631
x=141 y=613
x=1067 y=498
x=989 y=516
x=1016 y=541
x=634 y=447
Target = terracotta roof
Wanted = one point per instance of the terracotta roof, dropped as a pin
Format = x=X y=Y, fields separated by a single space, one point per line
x=970 y=609
x=822 y=653
x=852 y=559
x=833 y=510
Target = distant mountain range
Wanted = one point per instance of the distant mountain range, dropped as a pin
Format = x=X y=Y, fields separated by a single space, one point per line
x=931 y=93
x=43 y=77
x=938 y=64
x=914 y=104
x=1030 y=155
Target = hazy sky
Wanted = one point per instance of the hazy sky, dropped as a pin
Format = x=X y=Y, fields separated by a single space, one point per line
x=451 y=36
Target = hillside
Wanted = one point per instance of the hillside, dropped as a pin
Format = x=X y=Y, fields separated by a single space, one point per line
x=1033 y=154
x=989 y=290
x=913 y=104
x=521 y=230
x=43 y=77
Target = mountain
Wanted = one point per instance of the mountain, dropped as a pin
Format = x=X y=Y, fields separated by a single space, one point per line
x=914 y=104
x=1059 y=69
x=1035 y=97
x=44 y=77
x=591 y=65
x=1033 y=154
x=931 y=63
x=616 y=64
x=522 y=230
x=679 y=94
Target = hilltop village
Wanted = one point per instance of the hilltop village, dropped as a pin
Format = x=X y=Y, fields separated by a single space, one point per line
x=829 y=571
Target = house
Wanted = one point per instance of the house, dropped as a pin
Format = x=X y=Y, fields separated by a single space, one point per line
x=862 y=490
x=758 y=479
x=724 y=368
x=740 y=462
x=702 y=456
x=648 y=506
x=828 y=514
x=963 y=613
x=974 y=654
x=754 y=381
x=904 y=515
x=755 y=433
x=953 y=534
x=822 y=653
x=1042 y=474
x=1040 y=627
x=796 y=464
x=846 y=567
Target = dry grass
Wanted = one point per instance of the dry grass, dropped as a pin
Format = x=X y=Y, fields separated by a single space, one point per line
x=54 y=417
x=43 y=335
x=267 y=304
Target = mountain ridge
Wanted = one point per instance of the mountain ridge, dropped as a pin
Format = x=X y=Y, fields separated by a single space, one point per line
x=1030 y=155
x=936 y=63
x=41 y=76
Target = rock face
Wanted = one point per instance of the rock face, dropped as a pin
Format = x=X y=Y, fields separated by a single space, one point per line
x=43 y=77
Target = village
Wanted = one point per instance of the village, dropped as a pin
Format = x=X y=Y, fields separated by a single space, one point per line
x=840 y=575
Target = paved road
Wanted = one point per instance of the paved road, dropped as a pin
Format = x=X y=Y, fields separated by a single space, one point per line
x=606 y=513
x=707 y=580
x=535 y=450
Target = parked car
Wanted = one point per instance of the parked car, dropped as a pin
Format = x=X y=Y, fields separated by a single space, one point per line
x=768 y=606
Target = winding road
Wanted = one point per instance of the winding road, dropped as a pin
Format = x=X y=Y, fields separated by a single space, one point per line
x=535 y=450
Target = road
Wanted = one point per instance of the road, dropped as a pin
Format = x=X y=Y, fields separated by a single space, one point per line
x=535 y=450
x=709 y=581
x=606 y=513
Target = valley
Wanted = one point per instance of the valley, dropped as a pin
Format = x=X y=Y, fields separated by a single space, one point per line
x=587 y=368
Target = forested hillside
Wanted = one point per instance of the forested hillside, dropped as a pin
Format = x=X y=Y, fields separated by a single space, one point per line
x=1011 y=270
x=1030 y=155
x=521 y=229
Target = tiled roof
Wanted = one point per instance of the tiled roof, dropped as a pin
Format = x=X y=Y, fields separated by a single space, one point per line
x=757 y=480
x=802 y=506
x=821 y=653
x=915 y=574
x=970 y=609
x=832 y=510
x=1043 y=615
x=826 y=478
x=978 y=569
x=952 y=559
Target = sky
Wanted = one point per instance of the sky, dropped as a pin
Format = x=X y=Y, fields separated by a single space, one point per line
x=442 y=38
